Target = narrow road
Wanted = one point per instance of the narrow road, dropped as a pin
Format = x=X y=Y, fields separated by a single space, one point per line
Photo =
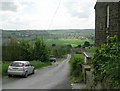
x=52 y=77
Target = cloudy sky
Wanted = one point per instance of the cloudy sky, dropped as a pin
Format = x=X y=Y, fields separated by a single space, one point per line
x=47 y=14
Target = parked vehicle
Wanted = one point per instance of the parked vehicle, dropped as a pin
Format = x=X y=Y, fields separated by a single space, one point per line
x=52 y=59
x=22 y=68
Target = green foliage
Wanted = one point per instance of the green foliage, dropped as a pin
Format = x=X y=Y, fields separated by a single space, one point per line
x=41 y=51
x=79 y=46
x=69 y=46
x=86 y=44
x=0 y=69
x=91 y=50
x=38 y=64
x=76 y=67
x=5 y=67
x=63 y=41
x=106 y=63
x=11 y=50
x=58 y=37
x=53 y=45
x=23 y=50
x=59 y=51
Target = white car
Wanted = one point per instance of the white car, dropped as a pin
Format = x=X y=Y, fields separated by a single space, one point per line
x=22 y=68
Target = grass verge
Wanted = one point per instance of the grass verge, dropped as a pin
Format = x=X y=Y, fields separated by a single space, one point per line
x=0 y=69
x=38 y=64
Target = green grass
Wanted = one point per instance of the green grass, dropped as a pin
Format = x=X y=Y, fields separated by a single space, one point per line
x=5 y=67
x=91 y=50
x=37 y=65
x=78 y=56
x=0 y=69
x=62 y=41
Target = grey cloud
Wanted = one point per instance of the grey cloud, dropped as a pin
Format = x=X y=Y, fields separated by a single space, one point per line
x=74 y=11
x=80 y=14
x=27 y=3
x=8 y=6
x=108 y=0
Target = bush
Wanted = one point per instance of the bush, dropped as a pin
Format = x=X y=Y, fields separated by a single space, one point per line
x=106 y=64
x=76 y=67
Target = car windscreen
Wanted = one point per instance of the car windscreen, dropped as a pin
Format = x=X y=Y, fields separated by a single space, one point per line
x=16 y=64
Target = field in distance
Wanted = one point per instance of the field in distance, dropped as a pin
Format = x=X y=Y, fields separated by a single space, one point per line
x=58 y=37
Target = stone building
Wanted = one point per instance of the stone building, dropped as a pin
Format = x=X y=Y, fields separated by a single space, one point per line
x=107 y=20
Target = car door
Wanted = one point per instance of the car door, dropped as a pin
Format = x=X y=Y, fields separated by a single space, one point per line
x=27 y=68
x=30 y=68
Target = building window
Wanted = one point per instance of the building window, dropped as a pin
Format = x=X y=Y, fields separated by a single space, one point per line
x=108 y=16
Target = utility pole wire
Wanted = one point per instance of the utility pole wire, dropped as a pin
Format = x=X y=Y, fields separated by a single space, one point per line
x=51 y=22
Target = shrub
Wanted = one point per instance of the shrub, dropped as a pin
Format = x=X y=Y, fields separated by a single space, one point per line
x=5 y=67
x=76 y=67
x=106 y=63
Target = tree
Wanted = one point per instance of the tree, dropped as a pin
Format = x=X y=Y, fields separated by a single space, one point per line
x=79 y=46
x=53 y=45
x=25 y=51
x=86 y=44
x=40 y=51
x=10 y=50
x=69 y=46
x=59 y=51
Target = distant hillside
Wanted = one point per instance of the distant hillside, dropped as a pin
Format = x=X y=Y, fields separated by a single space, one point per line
x=49 y=35
x=71 y=33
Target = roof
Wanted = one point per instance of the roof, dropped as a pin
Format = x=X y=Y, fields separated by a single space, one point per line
x=108 y=0
x=22 y=61
x=89 y=55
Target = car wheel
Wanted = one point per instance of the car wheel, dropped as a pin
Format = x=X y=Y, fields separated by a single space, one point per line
x=26 y=74
x=33 y=71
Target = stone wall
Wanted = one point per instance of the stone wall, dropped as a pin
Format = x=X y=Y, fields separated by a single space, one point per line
x=84 y=69
x=101 y=29
x=89 y=82
x=88 y=79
